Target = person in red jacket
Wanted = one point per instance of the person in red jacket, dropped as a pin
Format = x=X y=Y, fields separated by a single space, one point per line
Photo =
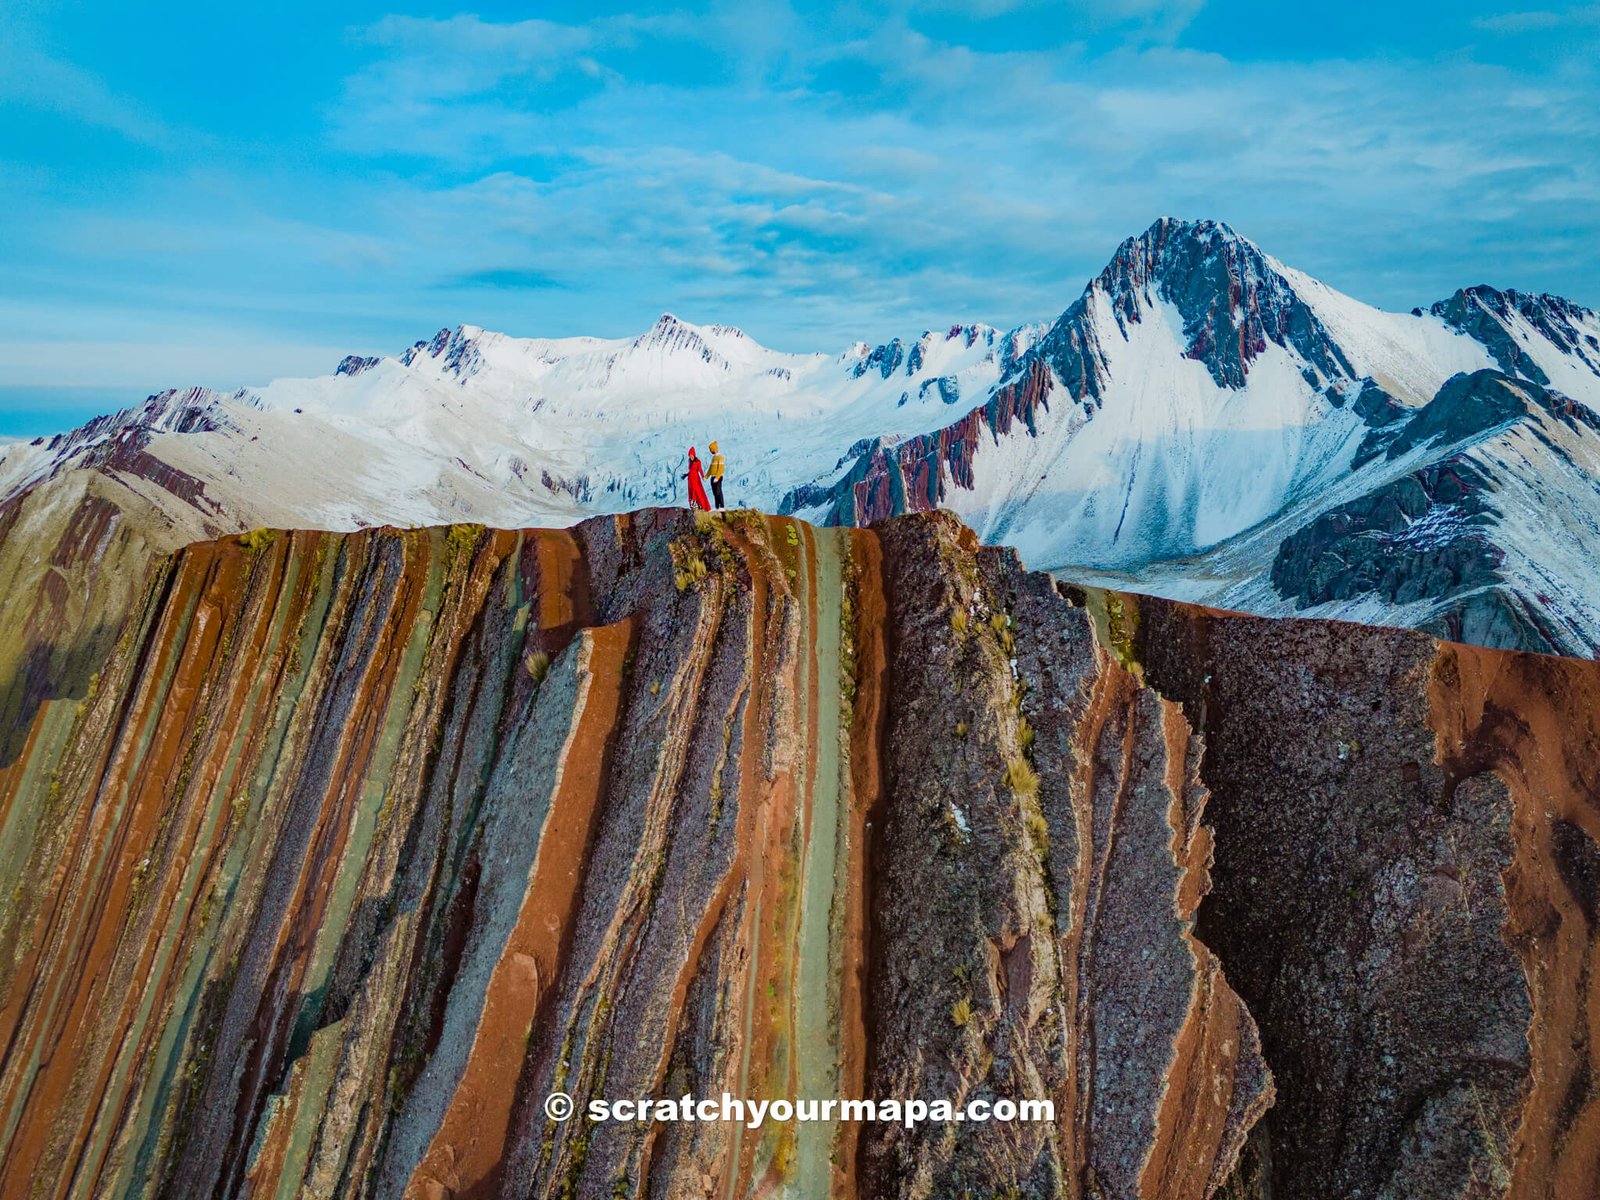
x=697 y=488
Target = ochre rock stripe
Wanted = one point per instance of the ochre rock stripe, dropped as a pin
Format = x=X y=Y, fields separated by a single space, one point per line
x=1534 y=721
x=100 y=911
x=866 y=800
x=466 y=1152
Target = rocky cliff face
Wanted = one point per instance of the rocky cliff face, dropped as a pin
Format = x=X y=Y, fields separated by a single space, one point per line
x=339 y=853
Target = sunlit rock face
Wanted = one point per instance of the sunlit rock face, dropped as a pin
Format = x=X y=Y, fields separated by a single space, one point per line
x=330 y=856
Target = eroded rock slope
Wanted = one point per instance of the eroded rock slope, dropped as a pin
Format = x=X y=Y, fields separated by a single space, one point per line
x=342 y=851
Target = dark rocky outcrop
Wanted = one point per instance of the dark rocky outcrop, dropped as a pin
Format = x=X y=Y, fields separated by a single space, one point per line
x=1486 y=314
x=458 y=350
x=355 y=364
x=885 y=360
x=1232 y=299
x=1421 y=537
x=1377 y=407
x=1470 y=405
x=1428 y=535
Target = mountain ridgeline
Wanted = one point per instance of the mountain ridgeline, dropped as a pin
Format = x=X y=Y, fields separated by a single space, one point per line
x=1202 y=423
x=334 y=854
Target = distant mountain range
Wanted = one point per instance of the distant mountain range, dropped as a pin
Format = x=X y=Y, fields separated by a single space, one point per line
x=1203 y=423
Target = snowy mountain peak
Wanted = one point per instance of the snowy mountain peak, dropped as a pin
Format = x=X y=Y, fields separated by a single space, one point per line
x=1207 y=235
x=355 y=364
x=1171 y=251
x=1233 y=299
x=455 y=350
x=676 y=337
x=961 y=336
x=939 y=353
x=971 y=334
x=885 y=359
x=665 y=324
x=1528 y=335
x=1535 y=306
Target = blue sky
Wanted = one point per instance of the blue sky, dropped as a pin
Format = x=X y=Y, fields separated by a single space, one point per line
x=221 y=194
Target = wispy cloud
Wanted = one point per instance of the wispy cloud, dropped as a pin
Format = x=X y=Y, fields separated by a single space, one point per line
x=1167 y=17
x=34 y=78
x=1539 y=20
x=898 y=175
x=215 y=357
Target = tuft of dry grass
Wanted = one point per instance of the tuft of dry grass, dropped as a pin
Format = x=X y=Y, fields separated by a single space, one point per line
x=1021 y=778
x=691 y=567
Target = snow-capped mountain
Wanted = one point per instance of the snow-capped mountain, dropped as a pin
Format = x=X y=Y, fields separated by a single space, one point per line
x=478 y=426
x=1202 y=422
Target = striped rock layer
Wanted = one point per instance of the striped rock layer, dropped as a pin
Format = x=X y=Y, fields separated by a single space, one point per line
x=339 y=853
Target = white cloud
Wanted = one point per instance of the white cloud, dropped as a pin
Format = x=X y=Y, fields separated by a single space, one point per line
x=896 y=179
x=224 y=361
x=1539 y=20
x=34 y=78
